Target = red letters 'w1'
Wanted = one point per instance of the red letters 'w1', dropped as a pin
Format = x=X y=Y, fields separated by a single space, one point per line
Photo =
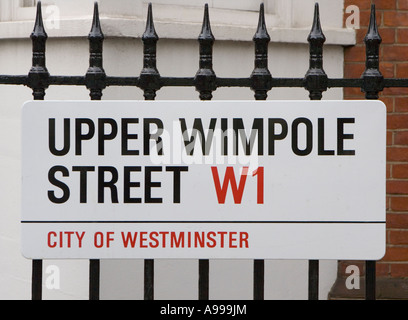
x=229 y=178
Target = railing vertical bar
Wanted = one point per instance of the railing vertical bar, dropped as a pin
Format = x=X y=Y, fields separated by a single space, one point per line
x=149 y=279
x=36 y=281
x=313 y=287
x=94 y=279
x=316 y=82
x=38 y=80
x=259 y=279
x=373 y=83
x=203 y=279
x=261 y=83
x=95 y=80
x=205 y=82
x=370 y=284
x=149 y=81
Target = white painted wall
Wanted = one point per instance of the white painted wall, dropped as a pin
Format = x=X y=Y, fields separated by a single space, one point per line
x=67 y=54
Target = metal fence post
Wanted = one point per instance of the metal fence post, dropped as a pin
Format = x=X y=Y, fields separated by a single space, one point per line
x=95 y=80
x=205 y=83
x=370 y=280
x=261 y=83
x=149 y=82
x=315 y=82
x=373 y=83
x=38 y=78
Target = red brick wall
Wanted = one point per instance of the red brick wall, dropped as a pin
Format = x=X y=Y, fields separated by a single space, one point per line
x=392 y=19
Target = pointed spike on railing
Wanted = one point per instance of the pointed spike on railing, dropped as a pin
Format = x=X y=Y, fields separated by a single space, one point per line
x=372 y=32
x=206 y=33
x=316 y=33
x=373 y=79
x=96 y=30
x=261 y=32
x=261 y=78
x=38 y=76
x=95 y=76
x=149 y=79
x=150 y=31
x=39 y=30
x=205 y=79
x=316 y=80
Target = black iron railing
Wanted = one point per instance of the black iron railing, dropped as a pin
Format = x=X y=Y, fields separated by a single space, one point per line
x=261 y=81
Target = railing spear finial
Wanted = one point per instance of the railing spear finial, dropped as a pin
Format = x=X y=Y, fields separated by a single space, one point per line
x=261 y=77
x=149 y=79
x=205 y=79
x=38 y=76
x=316 y=79
x=39 y=31
x=150 y=32
x=96 y=30
x=95 y=76
x=372 y=77
x=316 y=34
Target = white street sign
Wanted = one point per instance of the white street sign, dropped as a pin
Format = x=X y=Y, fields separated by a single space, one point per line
x=194 y=179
